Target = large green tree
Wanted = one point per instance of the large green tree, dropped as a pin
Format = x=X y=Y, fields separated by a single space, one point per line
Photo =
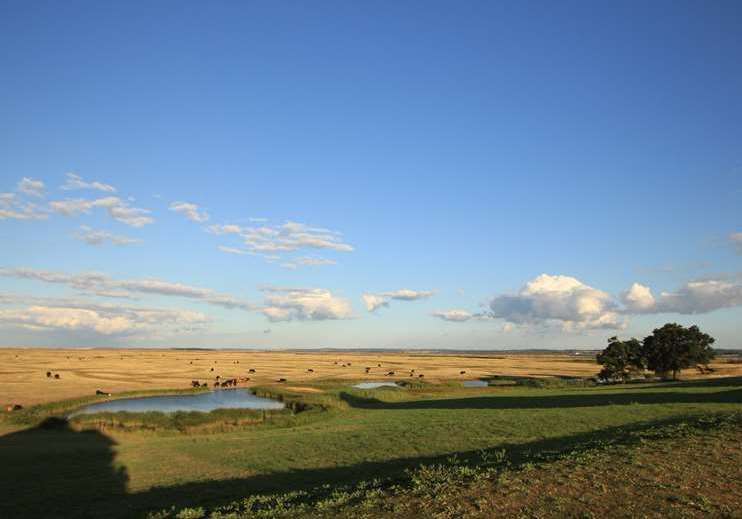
x=621 y=359
x=673 y=348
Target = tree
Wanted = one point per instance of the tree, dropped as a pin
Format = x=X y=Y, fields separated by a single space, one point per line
x=621 y=359
x=673 y=347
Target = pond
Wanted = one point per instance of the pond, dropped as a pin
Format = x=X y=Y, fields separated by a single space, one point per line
x=476 y=383
x=204 y=402
x=375 y=385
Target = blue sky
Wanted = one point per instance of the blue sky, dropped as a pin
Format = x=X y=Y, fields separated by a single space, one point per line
x=489 y=175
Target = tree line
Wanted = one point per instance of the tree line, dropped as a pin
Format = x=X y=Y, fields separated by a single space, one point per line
x=667 y=351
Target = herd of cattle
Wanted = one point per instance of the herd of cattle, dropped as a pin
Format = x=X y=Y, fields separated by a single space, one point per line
x=230 y=382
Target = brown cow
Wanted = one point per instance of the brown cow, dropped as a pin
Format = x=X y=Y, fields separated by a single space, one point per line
x=56 y=375
x=48 y=374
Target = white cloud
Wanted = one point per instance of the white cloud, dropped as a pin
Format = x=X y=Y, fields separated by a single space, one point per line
x=101 y=319
x=231 y=250
x=638 y=298
x=100 y=284
x=378 y=300
x=117 y=209
x=736 y=239
x=508 y=327
x=75 y=181
x=190 y=211
x=307 y=262
x=31 y=187
x=695 y=297
x=453 y=315
x=13 y=208
x=317 y=304
x=289 y=237
x=100 y=237
x=557 y=299
x=373 y=302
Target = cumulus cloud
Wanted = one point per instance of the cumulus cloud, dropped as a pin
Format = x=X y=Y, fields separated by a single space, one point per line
x=190 y=211
x=289 y=237
x=117 y=209
x=736 y=240
x=694 y=297
x=99 y=237
x=101 y=319
x=75 y=181
x=375 y=301
x=316 y=304
x=103 y=285
x=31 y=187
x=638 y=298
x=557 y=299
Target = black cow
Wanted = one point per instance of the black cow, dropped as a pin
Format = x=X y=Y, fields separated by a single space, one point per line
x=48 y=374
x=56 y=375
x=282 y=380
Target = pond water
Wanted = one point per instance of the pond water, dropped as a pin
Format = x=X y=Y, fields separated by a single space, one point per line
x=204 y=402
x=476 y=383
x=375 y=385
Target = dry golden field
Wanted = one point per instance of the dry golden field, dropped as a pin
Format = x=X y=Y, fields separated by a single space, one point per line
x=23 y=372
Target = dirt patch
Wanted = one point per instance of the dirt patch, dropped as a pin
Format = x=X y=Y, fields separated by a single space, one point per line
x=304 y=389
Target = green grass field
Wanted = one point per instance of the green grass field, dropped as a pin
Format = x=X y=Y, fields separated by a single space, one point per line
x=345 y=441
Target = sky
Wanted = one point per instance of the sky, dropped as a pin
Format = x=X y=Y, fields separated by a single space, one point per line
x=478 y=175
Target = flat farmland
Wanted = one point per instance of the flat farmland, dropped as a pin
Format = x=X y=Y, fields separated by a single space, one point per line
x=23 y=372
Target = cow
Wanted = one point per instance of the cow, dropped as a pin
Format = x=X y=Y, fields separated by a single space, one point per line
x=282 y=380
x=212 y=369
x=421 y=375
x=251 y=370
x=48 y=374
x=310 y=370
x=390 y=374
x=99 y=392
x=56 y=375
x=462 y=372
x=368 y=370
x=195 y=383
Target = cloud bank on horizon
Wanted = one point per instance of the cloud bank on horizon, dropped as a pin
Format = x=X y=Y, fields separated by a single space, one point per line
x=548 y=301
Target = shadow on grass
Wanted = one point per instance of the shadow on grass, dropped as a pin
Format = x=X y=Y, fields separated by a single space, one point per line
x=53 y=471
x=592 y=399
